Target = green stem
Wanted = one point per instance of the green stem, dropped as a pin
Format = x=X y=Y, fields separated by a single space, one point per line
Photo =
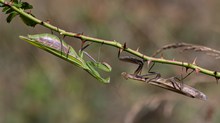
x=114 y=44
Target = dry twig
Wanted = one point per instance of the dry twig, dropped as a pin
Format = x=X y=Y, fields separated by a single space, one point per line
x=191 y=47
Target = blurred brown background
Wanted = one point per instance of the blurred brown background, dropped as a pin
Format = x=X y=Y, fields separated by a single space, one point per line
x=37 y=87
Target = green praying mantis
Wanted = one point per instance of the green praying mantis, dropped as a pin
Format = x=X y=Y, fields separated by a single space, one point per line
x=58 y=47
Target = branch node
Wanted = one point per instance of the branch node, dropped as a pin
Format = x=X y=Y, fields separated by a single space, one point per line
x=79 y=35
x=48 y=21
x=217 y=78
x=124 y=46
x=187 y=68
x=8 y=3
x=197 y=70
x=41 y=23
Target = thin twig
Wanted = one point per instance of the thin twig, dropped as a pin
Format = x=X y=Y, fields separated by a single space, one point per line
x=191 y=47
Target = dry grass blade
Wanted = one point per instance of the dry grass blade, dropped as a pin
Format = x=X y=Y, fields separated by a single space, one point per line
x=169 y=84
x=191 y=47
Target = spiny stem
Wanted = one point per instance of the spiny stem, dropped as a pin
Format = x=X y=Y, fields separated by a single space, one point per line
x=113 y=44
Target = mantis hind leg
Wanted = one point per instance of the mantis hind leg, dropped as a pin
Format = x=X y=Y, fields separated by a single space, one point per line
x=181 y=79
x=175 y=84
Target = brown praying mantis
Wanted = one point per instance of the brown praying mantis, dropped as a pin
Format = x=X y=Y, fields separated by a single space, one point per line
x=172 y=84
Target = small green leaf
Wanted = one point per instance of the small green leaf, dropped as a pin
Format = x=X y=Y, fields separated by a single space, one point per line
x=15 y=1
x=26 y=5
x=9 y=11
x=28 y=21
x=18 y=5
x=6 y=8
x=11 y=16
x=1 y=5
x=23 y=5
